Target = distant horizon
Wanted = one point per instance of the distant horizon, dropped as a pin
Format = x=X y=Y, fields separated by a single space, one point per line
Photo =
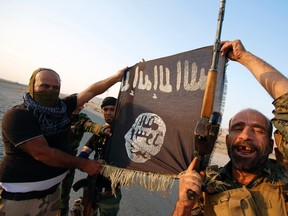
x=97 y=100
x=25 y=85
x=10 y=81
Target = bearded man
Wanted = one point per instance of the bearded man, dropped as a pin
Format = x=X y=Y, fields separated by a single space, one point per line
x=251 y=183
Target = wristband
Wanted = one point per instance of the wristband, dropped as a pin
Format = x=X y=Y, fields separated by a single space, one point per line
x=83 y=154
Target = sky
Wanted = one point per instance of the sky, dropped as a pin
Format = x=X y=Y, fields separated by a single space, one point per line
x=86 y=41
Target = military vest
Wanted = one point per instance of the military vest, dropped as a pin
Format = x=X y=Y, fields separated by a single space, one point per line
x=265 y=199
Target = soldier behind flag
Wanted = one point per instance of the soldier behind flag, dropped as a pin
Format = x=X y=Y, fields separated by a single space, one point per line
x=101 y=195
x=80 y=123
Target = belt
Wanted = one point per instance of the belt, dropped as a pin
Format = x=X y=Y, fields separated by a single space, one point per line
x=28 y=195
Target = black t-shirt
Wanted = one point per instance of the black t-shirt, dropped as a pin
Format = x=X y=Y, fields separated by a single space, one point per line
x=19 y=125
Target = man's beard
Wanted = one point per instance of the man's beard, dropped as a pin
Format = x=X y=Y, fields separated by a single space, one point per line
x=109 y=120
x=247 y=164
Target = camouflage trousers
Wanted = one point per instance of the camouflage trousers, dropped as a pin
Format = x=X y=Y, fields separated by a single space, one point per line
x=46 y=206
x=66 y=186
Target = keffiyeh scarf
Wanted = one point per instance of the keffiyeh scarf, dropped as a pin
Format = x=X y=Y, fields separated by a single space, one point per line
x=51 y=120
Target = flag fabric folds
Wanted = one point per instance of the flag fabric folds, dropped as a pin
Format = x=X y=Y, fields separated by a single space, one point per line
x=158 y=107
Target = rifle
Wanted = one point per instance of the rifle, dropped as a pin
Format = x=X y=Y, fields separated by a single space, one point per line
x=207 y=128
x=89 y=192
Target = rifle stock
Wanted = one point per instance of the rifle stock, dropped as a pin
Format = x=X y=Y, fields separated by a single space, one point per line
x=208 y=99
x=89 y=194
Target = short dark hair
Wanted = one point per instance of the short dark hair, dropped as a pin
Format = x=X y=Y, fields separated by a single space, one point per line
x=108 y=101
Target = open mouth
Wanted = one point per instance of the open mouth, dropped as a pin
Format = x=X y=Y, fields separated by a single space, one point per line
x=245 y=150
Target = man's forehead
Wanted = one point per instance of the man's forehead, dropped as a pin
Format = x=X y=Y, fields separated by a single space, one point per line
x=108 y=107
x=249 y=117
x=46 y=76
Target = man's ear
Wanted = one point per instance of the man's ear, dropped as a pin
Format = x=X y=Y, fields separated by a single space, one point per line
x=271 y=145
x=226 y=138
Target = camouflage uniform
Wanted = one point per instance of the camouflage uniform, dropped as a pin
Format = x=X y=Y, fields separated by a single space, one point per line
x=103 y=199
x=80 y=124
x=267 y=194
x=280 y=121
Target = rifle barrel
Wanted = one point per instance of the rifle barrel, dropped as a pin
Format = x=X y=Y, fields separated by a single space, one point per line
x=216 y=49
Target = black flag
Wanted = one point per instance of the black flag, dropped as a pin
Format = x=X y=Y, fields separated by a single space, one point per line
x=158 y=107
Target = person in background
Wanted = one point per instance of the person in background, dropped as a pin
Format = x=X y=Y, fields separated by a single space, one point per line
x=36 y=145
x=104 y=200
x=251 y=183
x=80 y=123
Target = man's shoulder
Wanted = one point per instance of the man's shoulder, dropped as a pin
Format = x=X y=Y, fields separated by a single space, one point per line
x=69 y=97
x=71 y=102
x=18 y=120
x=275 y=164
x=17 y=110
x=278 y=172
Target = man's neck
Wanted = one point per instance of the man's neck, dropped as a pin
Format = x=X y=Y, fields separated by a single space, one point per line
x=242 y=177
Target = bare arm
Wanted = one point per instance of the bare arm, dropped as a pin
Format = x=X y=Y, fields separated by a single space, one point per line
x=275 y=83
x=99 y=87
x=39 y=149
